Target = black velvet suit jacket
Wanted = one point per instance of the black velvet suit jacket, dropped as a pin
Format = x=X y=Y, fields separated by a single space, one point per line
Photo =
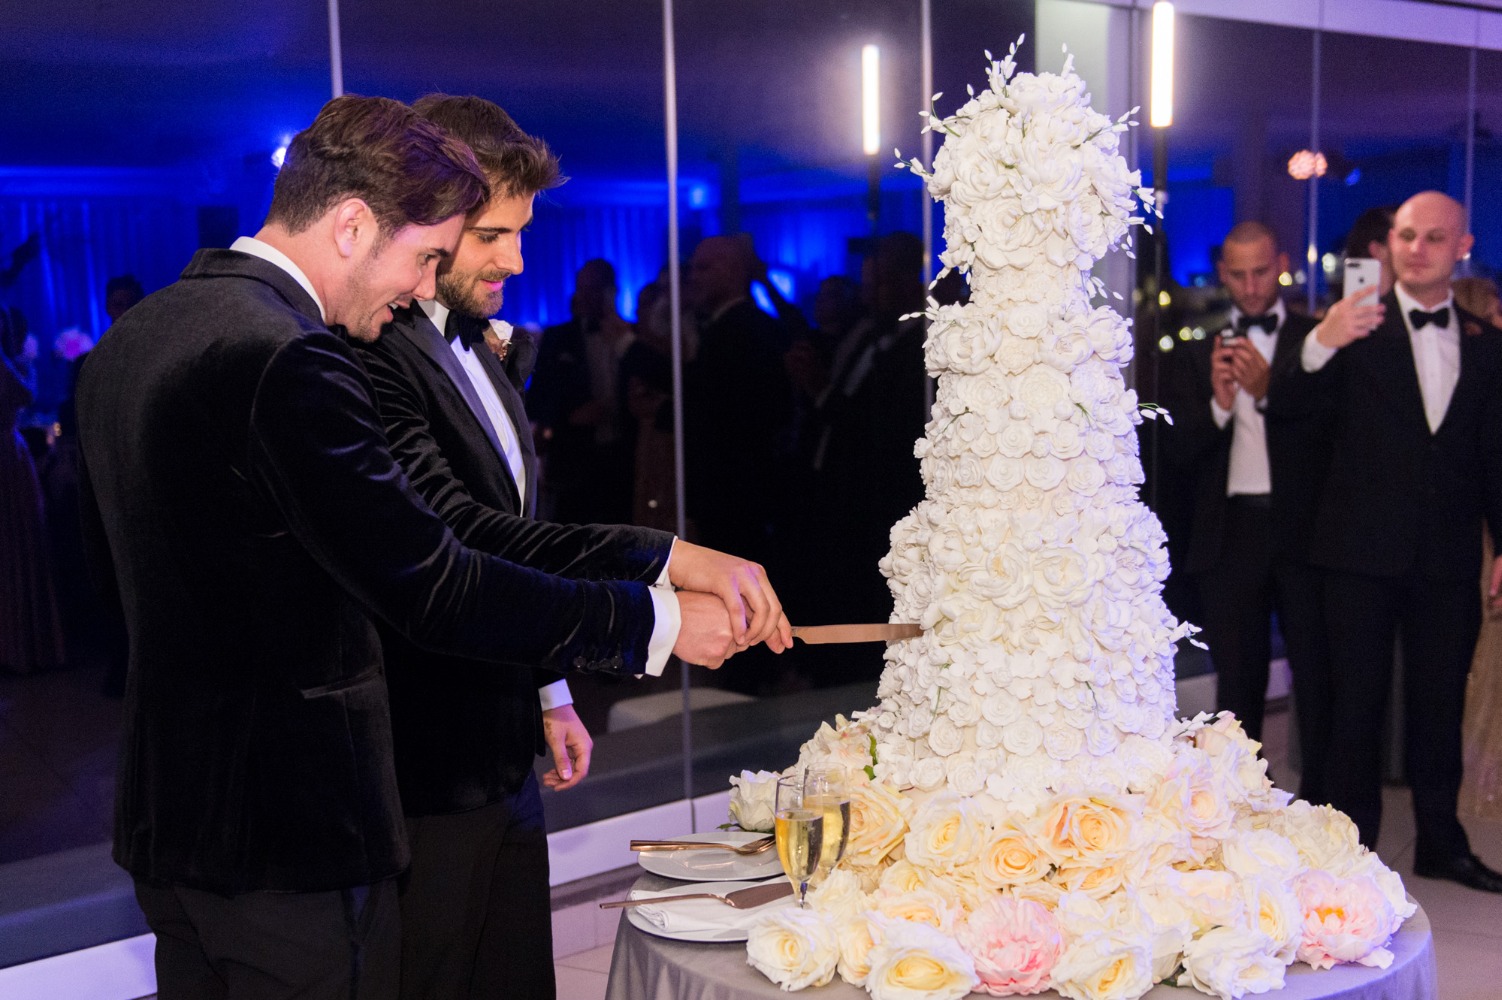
x=238 y=486
x=1398 y=499
x=465 y=733
x=1201 y=452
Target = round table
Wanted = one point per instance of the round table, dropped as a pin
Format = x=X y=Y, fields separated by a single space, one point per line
x=647 y=967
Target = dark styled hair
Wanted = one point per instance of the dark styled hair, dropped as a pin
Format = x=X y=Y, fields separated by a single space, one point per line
x=1371 y=226
x=409 y=171
x=514 y=162
x=125 y=283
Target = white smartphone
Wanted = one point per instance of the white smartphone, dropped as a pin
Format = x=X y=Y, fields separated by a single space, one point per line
x=1361 y=273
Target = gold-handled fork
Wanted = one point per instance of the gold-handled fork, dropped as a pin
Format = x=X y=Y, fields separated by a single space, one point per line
x=756 y=846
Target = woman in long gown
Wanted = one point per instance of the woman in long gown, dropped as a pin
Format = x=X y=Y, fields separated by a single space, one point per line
x=30 y=637
x=1481 y=795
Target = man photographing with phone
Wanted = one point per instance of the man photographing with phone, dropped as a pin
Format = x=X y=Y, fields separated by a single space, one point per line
x=1252 y=488
x=1412 y=387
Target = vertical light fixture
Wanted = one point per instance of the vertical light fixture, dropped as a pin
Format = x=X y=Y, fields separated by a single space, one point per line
x=870 y=100
x=871 y=129
x=1161 y=107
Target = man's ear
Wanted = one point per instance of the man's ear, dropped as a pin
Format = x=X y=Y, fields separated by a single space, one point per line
x=354 y=225
x=1282 y=263
x=1466 y=242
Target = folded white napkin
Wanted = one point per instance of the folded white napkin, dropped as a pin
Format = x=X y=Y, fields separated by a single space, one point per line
x=693 y=915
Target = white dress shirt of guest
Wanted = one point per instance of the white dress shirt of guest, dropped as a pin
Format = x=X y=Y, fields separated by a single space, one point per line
x=1250 y=474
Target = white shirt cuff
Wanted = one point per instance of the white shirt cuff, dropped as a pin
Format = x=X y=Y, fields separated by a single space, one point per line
x=666 y=621
x=1314 y=355
x=555 y=695
x=1222 y=417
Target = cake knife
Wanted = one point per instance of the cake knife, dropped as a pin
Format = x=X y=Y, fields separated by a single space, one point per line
x=856 y=633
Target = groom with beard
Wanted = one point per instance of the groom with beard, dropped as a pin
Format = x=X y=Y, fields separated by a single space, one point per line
x=475 y=902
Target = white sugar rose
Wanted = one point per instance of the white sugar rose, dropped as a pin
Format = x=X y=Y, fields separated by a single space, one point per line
x=1231 y=962
x=1022 y=737
x=794 y=948
x=917 y=962
x=753 y=799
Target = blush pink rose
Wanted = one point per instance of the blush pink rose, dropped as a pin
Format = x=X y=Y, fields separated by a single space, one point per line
x=1345 y=920
x=1014 y=943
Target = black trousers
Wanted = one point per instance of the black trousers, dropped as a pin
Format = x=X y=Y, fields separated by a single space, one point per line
x=1439 y=621
x=339 y=945
x=1238 y=598
x=476 y=907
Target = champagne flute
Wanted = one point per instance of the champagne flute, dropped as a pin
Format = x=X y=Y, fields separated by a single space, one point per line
x=800 y=834
x=827 y=790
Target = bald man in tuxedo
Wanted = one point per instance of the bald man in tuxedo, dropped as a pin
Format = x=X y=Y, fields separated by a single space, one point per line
x=1413 y=388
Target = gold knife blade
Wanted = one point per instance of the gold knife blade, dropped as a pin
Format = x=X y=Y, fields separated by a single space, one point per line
x=856 y=633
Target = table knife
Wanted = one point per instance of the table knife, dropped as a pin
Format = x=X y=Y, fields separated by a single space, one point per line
x=856 y=633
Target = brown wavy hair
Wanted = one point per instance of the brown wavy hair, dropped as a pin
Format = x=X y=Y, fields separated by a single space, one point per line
x=514 y=162
x=408 y=170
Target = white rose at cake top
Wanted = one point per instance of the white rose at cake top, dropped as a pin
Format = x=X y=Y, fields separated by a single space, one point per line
x=1031 y=564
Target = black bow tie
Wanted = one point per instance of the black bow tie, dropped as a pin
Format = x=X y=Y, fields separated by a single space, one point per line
x=1267 y=321
x=1420 y=319
x=469 y=330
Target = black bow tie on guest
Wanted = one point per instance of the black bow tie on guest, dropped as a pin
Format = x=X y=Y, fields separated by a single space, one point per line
x=1420 y=319
x=1267 y=321
x=469 y=330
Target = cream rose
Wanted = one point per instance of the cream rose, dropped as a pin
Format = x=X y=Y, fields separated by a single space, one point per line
x=878 y=820
x=917 y=962
x=1011 y=856
x=946 y=833
x=855 y=936
x=1231 y=962
x=794 y=948
x=1089 y=827
x=1104 y=965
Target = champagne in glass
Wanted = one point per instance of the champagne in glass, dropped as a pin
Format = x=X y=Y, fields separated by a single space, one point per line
x=800 y=834
x=826 y=790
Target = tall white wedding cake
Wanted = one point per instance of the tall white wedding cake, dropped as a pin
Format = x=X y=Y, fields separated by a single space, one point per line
x=1027 y=812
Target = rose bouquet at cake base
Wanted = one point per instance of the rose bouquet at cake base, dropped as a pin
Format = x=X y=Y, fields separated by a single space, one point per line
x=1026 y=811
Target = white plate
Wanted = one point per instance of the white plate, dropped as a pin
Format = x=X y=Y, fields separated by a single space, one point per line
x=722 y=935
x=713 y=866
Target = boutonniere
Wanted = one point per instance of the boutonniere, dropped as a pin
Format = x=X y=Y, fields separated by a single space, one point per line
x=1471 y=328
x=498 y=338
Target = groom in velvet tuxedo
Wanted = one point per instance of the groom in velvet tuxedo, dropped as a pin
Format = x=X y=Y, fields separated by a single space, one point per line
x=475 y=903
x=238 y=490
x=1413 y=388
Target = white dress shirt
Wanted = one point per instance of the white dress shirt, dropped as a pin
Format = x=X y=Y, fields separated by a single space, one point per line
x=270 y=254
x=1436 y=356
x=666 y=620
x=1250 y=472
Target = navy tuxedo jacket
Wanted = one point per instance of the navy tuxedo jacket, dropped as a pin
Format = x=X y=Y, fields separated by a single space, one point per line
x=465 y=733
x=1398 y=499
x=237 y=485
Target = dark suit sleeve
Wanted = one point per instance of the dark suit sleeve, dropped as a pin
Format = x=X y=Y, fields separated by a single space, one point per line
x=317 y=448
x=1490 y=448
x=1296 y=394
x=592 y=552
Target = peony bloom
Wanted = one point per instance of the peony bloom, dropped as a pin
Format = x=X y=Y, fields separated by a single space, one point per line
x=1014 y=944
x=916 y=962
x=794 y=948
x=1345 y=920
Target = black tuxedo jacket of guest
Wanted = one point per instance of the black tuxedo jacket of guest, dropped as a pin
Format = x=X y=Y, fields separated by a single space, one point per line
x=562 y=386
x=1201 y=451
x=1399 y=500
x=466 y=733
x=737 y=411
x=238 y=486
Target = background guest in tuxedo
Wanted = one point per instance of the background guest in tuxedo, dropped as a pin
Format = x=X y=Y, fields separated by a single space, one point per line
x=1253 y=483
x=737 y=402
x=475 y=902
x=1415 y=390
x=238 y=489
x=575 y=399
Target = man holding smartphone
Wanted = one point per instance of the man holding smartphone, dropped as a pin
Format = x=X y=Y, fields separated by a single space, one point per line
x=1253 y=486
x=1413 y=389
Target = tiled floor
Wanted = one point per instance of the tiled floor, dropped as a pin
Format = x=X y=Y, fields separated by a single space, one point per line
x=57 y=745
